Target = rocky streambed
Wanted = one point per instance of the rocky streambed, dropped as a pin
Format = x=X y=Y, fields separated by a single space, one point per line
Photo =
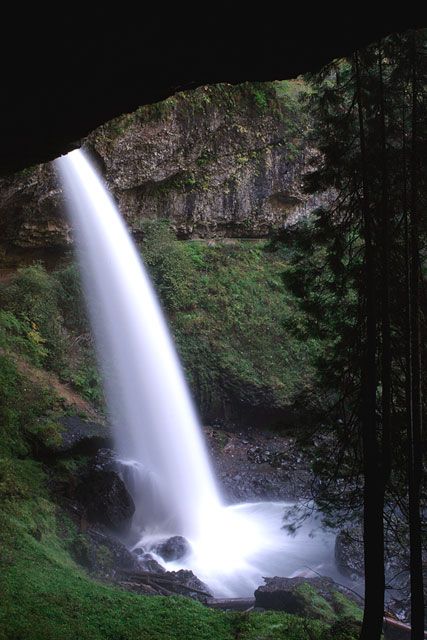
x=254 y=465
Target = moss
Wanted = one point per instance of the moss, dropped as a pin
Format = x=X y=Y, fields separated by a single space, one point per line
x=31 y=297
x=27 y=172
x=205 y=158
x=45 y=595
x=261 y=94
x=346 y=608
x=274 y=625
x=231 y=314
x=104 y=558
x=314 y=605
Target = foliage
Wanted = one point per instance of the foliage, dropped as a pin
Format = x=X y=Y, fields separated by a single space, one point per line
x=22 y=336
x=43 y=318
x=369 y=112
x=70 y=299
x=281 y=626
x=260 y=95
x=292 y=96
x=232 y=316
x=32 y=297
x=25 y=407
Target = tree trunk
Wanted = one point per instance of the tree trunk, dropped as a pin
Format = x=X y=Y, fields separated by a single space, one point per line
x=415 y=428
x=385 y=289
x=373 y=482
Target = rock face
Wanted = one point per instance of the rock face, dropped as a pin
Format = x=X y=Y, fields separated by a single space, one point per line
x=218 y=161
x=349 y=551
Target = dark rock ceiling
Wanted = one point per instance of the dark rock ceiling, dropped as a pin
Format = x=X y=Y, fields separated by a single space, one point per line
x=58 y=83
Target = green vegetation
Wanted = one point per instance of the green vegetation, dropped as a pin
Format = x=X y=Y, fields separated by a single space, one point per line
x=43 y=320
x=236 y=324
x=233 y=318
x=314 y=603
x=45 y=595
x=25 y=409
x=237 y=327
x=31 y=302
x=272 y=625
x=261 y=95
x=291 y=96
x=231 y=314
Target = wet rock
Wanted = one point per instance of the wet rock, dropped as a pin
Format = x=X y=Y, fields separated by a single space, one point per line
x=105 y=499
x=104 y=460
x=319 y=598
x=173 y=549
x=258 y=455
x=148 y=563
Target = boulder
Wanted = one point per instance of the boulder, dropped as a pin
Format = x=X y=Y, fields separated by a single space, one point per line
x=81 y=437
x=102 y=554
x=105 y=499
x=319 y=598
x=173 y=549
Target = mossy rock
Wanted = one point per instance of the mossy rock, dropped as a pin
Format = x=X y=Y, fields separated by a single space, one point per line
x=317 y=598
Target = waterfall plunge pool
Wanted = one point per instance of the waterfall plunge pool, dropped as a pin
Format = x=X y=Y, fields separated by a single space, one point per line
x=243 y=543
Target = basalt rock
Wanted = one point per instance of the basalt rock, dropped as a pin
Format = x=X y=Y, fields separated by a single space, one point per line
x=349 y=551
x=220 y=161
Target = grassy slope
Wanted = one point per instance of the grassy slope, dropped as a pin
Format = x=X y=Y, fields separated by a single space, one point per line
x=45 y=595
x=230 y=311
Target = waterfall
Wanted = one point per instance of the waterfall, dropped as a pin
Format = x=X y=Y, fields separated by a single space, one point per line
x=162 y=454
x=153 y=418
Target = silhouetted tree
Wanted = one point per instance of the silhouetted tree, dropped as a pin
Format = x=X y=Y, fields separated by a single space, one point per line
x=366 y=286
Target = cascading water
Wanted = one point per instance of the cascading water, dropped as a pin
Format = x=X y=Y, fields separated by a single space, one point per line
x=152 y=413
x=164 y=460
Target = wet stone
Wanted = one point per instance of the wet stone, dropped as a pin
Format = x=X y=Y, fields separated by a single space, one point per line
x=173 y=549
